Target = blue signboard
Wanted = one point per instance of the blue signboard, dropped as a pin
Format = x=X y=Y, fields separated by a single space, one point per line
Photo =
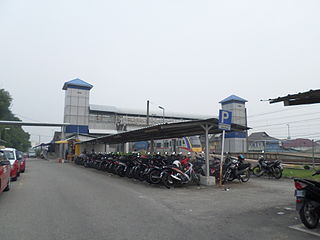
x=225 y=118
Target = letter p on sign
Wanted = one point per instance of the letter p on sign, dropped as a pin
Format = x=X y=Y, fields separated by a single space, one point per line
x=225 y=117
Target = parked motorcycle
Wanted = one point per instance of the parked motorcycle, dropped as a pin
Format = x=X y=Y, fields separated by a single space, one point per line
x=269 y=168
x=307 y=195
x=236 y=168
x=175 y=175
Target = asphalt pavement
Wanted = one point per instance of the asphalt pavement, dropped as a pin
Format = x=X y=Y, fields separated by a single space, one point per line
x=58 y=201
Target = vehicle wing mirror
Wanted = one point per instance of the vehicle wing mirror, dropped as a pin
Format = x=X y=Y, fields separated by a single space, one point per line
x=4 y=162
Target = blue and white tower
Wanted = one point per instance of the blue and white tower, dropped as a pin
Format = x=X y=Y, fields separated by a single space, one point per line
x=236 y=142
x=76 y=106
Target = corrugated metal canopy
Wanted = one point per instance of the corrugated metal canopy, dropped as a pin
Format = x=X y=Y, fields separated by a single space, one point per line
x=310 y=97
x=165 y=131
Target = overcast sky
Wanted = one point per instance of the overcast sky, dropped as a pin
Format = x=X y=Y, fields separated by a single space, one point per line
x=184 y=55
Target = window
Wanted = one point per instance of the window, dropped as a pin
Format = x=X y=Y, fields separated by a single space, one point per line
x=9 y=155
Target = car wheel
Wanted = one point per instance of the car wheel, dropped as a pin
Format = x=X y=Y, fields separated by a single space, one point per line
x=14 y=178
x=8 y=186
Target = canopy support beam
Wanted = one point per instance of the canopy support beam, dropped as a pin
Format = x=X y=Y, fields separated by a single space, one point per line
x=206 y=128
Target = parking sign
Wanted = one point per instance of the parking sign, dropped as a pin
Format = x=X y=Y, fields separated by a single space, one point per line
x=225 y=118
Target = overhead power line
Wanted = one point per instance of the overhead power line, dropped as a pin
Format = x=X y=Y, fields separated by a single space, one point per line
x=316 y=135
x=283 y=110
x=292 y=126
x=284 y=123
x=283 y=117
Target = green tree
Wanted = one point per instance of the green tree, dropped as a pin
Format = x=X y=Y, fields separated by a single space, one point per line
x=12 y=136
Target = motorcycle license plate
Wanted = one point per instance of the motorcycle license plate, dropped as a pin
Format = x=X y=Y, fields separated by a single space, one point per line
x=299 y=193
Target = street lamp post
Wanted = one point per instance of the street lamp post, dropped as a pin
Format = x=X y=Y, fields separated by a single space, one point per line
x=162 y=113
x=163 y=123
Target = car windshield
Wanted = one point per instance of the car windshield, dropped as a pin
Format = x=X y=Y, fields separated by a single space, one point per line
x=19 y=156
x=9 y=155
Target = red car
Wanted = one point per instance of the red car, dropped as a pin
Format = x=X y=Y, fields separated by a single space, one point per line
x=22 y=160
x=4 y=173
x=10 y=154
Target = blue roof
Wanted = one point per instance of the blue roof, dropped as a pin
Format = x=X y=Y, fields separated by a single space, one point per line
x=77 y=83
x=233 y=98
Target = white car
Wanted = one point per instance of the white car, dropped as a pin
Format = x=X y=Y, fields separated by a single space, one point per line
x=32 y=154
x=11 y=155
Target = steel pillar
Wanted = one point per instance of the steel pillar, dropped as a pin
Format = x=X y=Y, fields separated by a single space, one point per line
x=206 y=129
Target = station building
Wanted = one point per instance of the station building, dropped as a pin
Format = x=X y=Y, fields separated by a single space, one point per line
x=88 y=121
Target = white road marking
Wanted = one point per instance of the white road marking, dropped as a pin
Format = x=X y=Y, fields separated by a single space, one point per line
x=302 y=228
x=289 y=209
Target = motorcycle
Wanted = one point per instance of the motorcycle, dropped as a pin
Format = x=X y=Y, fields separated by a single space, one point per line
x=269 y=168
x=200 y=166
x=236 y=169
x=172 y=176
x=307 y=195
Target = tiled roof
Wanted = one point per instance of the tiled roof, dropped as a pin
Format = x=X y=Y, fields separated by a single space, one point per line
x=261 y=136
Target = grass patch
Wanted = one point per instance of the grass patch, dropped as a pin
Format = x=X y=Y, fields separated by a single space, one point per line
x=300 y=173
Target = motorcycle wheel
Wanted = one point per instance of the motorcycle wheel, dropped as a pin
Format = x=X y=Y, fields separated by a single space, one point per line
x=196 y=178
x=257 y=171
x=141 y=175
x=167 y=180
x=120 y=171
x=109 y=168
x=154 y=176
x=129 y=172
x=226 y=177
x=246 y=177
x=309 y=215
x=277 y=173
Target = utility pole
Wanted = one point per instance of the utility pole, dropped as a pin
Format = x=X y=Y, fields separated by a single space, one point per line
x=313 y=160
x=148 y=113
x=288 y=131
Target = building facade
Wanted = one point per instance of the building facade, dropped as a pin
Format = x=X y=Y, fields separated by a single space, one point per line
x=99 y=120
x=236 y=142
